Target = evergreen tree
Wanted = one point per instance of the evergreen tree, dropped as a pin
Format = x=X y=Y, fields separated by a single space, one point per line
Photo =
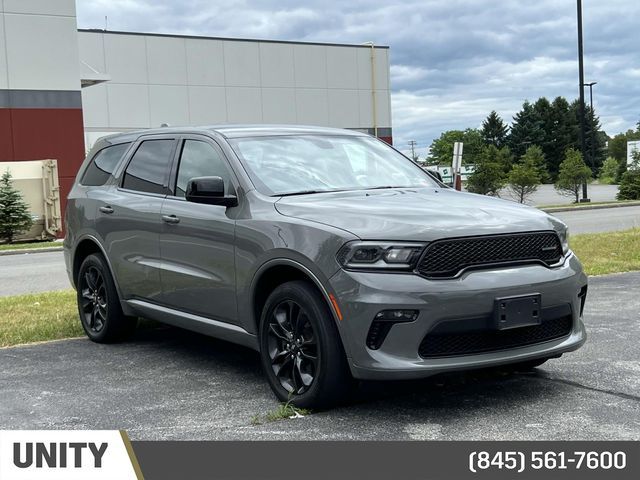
x=535 y=158
x=594 y=141
x=525 y=130
x=524 y=180
x=14 y=211
x=494 y=130
x=488 y=177
x=573 y=174
x=563 y=127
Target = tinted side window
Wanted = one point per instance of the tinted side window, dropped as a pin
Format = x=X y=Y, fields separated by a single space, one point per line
x=147 y=169
x=200 y=159
x=103 y=165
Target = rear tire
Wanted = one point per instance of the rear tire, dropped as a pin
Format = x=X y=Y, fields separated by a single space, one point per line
x=301 y=350
x=99 y=307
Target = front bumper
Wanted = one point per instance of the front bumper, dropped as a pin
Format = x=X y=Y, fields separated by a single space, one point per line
x=361 y=295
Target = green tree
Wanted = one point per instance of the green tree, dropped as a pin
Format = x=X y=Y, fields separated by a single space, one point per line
x=489 y=176
x=525 y=130
x=609 y=171
x=441 y=150
x=494 y=130
x=573 y=173
x=535 y=158
x=595 y=141
x=14 y=211
x=559 y=134
x=630 y=183
x=523 y=180
x=617 y=147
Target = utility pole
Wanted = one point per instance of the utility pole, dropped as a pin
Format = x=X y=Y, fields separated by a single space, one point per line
x=412 y=143
x=583 y=145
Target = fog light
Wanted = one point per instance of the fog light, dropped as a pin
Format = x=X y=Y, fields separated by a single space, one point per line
x=397 y=316
x=383 y=322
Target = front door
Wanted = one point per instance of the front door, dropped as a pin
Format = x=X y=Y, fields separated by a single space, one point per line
x=197 y=240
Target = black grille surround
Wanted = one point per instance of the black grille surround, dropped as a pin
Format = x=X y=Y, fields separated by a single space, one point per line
x=448 y=344
x=447 y=258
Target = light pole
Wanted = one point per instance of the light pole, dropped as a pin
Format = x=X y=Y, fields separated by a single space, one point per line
x=592 y=159
x=583 y=146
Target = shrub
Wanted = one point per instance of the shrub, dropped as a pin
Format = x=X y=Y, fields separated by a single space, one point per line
x=14 y=211
x=609 y=171
x=630 y=183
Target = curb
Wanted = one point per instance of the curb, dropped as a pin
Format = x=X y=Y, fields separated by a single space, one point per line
x=28 y=251
x=593 y=207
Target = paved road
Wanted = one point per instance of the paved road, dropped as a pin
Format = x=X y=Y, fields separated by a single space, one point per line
x=171 y=384
x=42 y=272
x=32 y=273
x=601 y=220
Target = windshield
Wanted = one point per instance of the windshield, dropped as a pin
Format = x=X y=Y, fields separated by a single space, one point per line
x=289 y=165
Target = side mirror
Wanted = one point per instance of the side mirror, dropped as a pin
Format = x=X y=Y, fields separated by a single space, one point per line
x=209 y=190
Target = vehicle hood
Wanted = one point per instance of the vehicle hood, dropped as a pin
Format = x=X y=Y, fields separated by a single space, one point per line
x=423 y=214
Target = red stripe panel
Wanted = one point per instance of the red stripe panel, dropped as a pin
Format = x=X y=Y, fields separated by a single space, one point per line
x=6 y=138
x=49 y=133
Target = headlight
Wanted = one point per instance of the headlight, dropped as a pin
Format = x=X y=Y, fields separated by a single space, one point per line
x=380 y=255
x=563 y=233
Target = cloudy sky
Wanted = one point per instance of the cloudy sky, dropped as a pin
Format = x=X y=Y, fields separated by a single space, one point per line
x=452 y=61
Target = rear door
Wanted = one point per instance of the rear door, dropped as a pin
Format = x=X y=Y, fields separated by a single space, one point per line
x=128 y=218
x=197 y=240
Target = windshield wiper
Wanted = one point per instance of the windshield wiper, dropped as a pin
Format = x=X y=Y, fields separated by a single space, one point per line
x=306 y=192
x=303 y=192
x=383 y=187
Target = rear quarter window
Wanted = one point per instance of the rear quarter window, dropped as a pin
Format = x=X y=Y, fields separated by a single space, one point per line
x=103 y=164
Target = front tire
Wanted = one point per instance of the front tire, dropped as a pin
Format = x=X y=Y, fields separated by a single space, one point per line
x=300 y=348
x=98 y=304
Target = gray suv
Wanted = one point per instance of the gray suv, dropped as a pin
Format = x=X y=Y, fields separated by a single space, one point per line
x=326 y=250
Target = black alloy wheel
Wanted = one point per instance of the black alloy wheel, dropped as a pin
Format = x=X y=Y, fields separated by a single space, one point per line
x=300 y=348
x=93 y=303
x=293 y=348
x=99 y=306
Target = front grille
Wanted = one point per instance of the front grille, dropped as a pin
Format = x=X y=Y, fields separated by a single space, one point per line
x=449 y=344
x=446 y=258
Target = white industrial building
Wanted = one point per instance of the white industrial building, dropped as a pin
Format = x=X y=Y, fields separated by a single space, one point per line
x=134 y=80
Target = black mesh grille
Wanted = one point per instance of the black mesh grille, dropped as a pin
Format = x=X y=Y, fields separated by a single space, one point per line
x=465 y=343
x=446 y=258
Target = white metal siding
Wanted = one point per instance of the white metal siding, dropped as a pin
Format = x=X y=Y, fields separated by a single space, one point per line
x=191 y=81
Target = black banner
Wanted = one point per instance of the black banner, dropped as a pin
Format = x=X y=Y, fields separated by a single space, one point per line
x=389 y=460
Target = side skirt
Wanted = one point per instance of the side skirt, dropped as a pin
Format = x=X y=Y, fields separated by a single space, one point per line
x=196 y=323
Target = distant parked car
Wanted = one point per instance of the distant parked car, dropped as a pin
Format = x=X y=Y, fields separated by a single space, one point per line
x=326 y=250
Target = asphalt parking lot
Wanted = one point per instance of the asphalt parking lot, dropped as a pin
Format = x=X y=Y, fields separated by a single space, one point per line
x=172 y=384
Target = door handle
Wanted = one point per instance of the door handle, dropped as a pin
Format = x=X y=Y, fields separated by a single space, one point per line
x=106 y=209
x=170 y=219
